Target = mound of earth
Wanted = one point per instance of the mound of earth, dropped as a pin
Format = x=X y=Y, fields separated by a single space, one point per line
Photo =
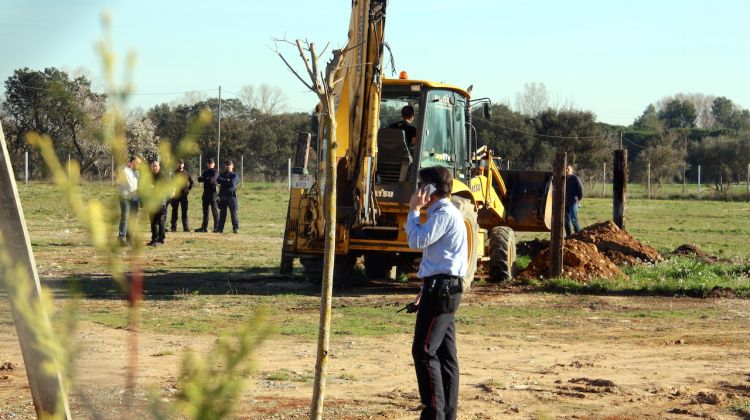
x=692 y=250
x=617 y=244
x=581 y=262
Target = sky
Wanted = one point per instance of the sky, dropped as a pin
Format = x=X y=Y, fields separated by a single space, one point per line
x=609 y=57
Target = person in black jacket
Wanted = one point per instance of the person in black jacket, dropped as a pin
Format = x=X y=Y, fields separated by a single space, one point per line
x=228 y=181
x=410 y=132
x=181 y=197
x=208 y=178
x=573 y=197
x=158 y=217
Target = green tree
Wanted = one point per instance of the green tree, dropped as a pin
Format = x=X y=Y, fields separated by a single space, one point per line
x=50 y=102
x=511 y=137
x=678 y=114
x=666 y=154
x=728 y=115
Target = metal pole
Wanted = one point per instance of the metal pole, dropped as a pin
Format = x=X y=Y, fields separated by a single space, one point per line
x=648 y=180
x=68 y=167
x=621 y=140
x=200 y=164
x=684 y=180
x=604 y=178
x=26 y=167
x=558 y=214
x=507 y=166
x=748 y=182
x=112 y=169
x=218 y=142
x=289 y=174
x=242 y=169
x=699 y=181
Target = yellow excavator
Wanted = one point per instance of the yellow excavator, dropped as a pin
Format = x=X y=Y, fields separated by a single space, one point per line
x=377 y=169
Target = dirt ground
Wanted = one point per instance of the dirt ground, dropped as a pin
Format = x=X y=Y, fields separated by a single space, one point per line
x=592 y=364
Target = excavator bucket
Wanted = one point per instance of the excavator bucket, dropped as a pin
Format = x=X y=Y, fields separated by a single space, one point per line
x=529 y=200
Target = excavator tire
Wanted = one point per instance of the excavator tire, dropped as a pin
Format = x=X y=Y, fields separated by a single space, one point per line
x=312 y=268
x=466 y=207
x=502 y=253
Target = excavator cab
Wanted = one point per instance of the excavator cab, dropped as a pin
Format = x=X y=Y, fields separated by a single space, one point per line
x=439 y=119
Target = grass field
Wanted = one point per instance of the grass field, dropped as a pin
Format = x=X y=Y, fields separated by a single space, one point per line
x=200 y=285
x=227 y=261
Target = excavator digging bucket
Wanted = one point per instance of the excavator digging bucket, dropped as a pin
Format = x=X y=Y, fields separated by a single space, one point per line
x=529 y=200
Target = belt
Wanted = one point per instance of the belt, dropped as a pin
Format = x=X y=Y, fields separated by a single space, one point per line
x=454 y=283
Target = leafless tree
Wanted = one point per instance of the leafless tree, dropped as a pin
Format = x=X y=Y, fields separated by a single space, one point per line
x=533 y=100
x=189 y=98
x=265 y=98
x=323 y=84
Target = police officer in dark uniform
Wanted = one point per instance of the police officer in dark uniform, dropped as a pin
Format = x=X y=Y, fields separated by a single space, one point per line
x=180 y=199
x=208 y=178
x=228 y=181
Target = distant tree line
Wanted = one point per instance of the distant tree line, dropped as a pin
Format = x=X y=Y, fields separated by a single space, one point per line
x=64 y=107
x=673 y=135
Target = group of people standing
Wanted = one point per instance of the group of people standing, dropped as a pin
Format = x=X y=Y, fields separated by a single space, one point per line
x=219 y=202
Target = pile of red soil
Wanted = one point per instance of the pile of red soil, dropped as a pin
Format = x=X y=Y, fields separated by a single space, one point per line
x=594 y=252
x=617 y=244
x=581 y=262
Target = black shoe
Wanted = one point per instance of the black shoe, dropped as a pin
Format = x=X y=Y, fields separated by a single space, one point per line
x=200 y=230
x=173 y=230
x=152 y=243
x=236 y=230
x=186 y=229
x=217 y=231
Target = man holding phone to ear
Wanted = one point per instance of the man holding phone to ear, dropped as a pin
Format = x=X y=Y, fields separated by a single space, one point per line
x=443 y=241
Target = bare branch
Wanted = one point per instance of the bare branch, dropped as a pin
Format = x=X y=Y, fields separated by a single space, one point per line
x=294 y=72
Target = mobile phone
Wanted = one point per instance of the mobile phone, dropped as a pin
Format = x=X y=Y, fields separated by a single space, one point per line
x=429 y=189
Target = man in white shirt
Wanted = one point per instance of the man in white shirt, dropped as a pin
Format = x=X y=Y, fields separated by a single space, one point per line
x=128 y=197
x=444 y=245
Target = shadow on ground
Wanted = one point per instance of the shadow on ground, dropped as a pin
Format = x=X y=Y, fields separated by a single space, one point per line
x=252 y=281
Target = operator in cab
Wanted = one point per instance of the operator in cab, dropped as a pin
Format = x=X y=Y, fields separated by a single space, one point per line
x=410 y=132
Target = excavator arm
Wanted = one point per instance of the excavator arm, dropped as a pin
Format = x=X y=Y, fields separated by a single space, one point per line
x=358 y=99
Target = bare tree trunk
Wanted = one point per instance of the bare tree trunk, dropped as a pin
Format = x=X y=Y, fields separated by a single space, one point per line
x=326 y=292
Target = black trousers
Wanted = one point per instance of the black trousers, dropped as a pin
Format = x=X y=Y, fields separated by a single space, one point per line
x=158 y=225
x=180 y=202
x=209 y=200
x=435 y=358
x=231 y=204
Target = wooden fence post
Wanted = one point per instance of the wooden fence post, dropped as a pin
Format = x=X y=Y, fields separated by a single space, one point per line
x=648 y=180
x=558 y=215
x=620 y=187
x=47 y=389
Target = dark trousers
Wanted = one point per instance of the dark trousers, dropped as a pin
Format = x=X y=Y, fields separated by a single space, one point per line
x=571 y=218
x=231 y=204
x=209 y=200
x=180 y=202
x=435 y=360
x=158 y=222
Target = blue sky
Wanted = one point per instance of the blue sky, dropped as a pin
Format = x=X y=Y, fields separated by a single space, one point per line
x=610 y=57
